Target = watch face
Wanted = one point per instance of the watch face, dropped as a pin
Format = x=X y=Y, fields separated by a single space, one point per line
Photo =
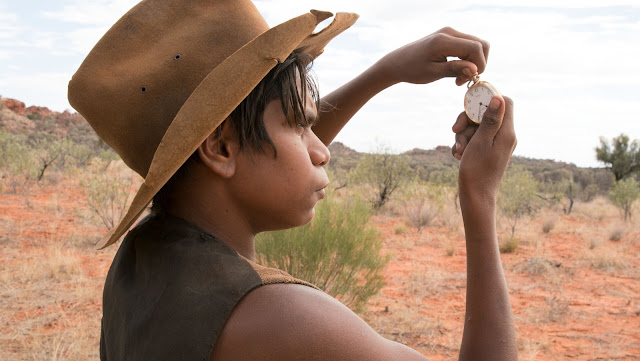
x=477 y=100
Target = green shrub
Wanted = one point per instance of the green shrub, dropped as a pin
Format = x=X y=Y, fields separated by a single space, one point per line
x=18 y=162
x=517 y=195
x=338 y=251
x=623 y=194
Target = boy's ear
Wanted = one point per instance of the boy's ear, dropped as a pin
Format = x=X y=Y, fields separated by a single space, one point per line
x=219 y=150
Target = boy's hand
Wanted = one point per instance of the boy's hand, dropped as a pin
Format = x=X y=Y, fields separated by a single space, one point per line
x=425 y=60
x=485 y=150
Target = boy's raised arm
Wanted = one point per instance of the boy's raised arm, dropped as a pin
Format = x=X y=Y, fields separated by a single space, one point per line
x=420 y=62
x=488 y=329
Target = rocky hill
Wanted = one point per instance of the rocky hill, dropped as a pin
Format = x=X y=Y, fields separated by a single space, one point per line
x=36 y=121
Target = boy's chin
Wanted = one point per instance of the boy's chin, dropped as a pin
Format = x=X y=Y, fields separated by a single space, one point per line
x=294 y=223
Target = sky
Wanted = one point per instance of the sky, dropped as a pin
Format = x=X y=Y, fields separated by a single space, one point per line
x=571 y=67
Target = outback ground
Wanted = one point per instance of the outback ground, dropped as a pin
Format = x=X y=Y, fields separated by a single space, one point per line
x=575 y=292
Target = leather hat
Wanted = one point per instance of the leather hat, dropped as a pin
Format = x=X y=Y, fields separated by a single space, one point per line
x=169 y=72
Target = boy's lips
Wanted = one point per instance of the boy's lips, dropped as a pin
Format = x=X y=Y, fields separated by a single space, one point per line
x=321 y=190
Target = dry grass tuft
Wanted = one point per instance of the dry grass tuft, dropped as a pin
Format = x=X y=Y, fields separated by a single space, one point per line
x=608 y=260
x=451 y=249
x=528 y=349
x=509 y=245
x=548 y=223
x=450 y=217
x=536 y=266
x=421 y=214
x=556 y=309
x=616 y=233
x=400 y=228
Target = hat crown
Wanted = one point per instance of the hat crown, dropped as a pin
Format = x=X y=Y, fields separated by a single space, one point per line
x=138 y=76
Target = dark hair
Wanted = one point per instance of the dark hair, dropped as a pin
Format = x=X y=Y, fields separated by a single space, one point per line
x=247 y=118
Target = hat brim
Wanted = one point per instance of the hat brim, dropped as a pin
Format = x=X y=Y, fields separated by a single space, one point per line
x=222 y=91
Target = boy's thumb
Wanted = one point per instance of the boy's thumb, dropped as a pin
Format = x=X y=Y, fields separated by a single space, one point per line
x=492 y=118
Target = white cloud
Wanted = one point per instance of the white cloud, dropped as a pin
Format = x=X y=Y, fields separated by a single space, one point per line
x=9 y=26
x=42 y=89
x=91 y=12
x=83 y=39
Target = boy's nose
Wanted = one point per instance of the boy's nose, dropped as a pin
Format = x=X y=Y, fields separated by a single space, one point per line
x=318 y=152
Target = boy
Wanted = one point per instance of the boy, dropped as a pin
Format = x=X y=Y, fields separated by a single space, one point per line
x=218 y=113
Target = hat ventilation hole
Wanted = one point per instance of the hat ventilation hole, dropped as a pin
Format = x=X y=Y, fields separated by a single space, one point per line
x=177 y=57
x=143 y=89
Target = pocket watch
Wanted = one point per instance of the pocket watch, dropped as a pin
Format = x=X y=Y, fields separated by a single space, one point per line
x=477 y=98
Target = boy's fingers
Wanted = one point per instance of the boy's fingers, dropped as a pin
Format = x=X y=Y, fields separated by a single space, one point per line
x=463 y=49
x=461 y=123
x=507 y=133
x=492 y=120
x=455 y=153
x=462 y=139
x=458 y=34
x=462 y=70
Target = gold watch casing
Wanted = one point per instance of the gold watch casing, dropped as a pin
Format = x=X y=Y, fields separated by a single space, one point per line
x=477 y=98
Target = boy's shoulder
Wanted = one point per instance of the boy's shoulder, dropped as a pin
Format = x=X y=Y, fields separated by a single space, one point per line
x=293 y=322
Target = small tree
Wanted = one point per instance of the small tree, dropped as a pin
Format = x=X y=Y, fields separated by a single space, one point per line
x=384 y=173
x=517 y=195
x=589 y=192
x=571 y=191
x=49 y=150
x=622 y=157
x=623 y=194
x=108 y=190
x=448 y=178
x=338 y=251
x=564 y=191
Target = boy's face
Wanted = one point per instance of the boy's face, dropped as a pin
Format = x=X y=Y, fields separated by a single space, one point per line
x=281 y=192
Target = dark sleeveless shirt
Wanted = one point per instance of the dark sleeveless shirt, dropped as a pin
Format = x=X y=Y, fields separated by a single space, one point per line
x=171 y=288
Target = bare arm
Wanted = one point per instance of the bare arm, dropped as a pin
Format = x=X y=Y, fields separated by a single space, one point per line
x=488 y=330
x=420 y=62
x=285 y=322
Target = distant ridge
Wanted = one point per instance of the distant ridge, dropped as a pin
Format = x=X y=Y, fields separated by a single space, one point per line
x=442 y=155
x=16 y=117
x=439 y=159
